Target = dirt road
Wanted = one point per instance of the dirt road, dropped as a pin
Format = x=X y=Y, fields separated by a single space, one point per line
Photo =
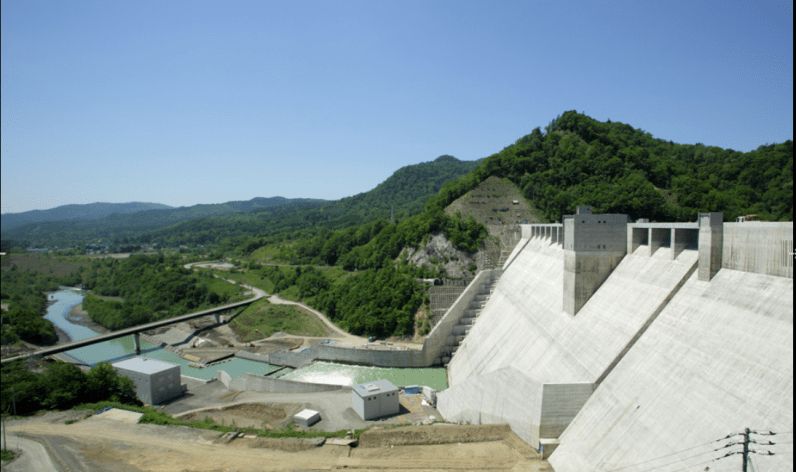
x=97 y=444
x=342 y=336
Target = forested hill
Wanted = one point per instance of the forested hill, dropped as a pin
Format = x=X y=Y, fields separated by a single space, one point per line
x=614 y=167
x=407 y=190
x=403 y=193
x=89 y=211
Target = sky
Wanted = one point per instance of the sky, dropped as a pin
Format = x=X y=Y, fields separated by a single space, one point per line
x=185 y=102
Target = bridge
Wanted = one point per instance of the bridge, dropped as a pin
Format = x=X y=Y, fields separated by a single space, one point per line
x=136 y=331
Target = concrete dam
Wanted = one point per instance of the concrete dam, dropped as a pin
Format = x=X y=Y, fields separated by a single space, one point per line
x=636 y=346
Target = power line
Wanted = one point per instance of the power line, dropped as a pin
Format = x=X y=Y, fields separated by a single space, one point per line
x=671 y=454
x=683 y=459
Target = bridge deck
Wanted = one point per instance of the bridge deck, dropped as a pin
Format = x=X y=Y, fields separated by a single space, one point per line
x=135 y=329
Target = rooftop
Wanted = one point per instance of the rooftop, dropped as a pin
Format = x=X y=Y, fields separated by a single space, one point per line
x=144 y=365
x=372 y=388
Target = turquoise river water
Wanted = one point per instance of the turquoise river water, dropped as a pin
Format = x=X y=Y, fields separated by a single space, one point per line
x=62 y=302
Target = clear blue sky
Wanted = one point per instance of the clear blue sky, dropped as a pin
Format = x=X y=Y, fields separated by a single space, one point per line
x=182 y=102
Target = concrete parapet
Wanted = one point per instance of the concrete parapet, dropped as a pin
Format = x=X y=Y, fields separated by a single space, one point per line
x=759 y=247
x=711 y=235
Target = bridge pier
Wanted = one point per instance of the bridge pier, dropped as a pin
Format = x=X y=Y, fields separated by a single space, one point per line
x=217 y=316
x=137 y=343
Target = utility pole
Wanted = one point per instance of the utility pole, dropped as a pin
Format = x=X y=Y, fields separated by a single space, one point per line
x=745 y=449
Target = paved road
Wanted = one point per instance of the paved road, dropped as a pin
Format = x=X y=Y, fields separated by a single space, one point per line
x=33 y=456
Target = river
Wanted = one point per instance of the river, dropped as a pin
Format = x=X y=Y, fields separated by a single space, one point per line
x=320 y=372
x=122 y=348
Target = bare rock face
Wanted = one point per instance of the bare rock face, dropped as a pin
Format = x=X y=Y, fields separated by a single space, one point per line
x=439 y=252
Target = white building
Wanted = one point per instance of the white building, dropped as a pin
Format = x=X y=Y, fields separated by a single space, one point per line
x=155 y=381
x=375 y=399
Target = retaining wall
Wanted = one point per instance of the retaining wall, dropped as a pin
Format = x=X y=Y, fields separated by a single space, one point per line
x=258 y=383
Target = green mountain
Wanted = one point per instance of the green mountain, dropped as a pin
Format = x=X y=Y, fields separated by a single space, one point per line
x=126 y=228
x=575 y=160
x=90 y=211
x=614 y=167
x=402 y=194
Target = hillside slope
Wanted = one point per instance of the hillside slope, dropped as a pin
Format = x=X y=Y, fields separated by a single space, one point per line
x=90 y=211
x=402 y=194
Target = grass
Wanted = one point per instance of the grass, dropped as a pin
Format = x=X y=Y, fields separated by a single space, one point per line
x=252 y=278
x=51 y=264
x=224 y=288
x=153 y=416
x=7 y=455
x=262 y=319
x=272 y=253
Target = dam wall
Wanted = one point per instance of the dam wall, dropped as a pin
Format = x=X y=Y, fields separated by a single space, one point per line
x=759 y=247
x=718 y=359
x=529 y=363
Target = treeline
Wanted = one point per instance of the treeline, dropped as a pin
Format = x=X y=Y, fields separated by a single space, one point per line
x=232 y=224
x=375 y=302
x=23 y=293
x=378 y=244
x=60 y=386
x=148 y=287
x=616 y=168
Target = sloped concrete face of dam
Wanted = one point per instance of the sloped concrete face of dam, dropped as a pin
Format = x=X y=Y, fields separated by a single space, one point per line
x=528 y=363
x=718 y=359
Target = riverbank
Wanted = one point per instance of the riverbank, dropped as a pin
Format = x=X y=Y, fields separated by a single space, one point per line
x=79 y=316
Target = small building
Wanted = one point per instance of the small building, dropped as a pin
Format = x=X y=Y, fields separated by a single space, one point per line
x=155 y=381
x=375 y=399
x=306 y=417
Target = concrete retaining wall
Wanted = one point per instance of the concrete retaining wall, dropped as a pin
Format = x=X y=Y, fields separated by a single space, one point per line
x=258 y=383
x=437 y=339
x=224 y=378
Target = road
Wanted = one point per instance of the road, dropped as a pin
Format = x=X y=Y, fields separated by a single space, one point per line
x=33 y=456
x=100 y=444
x=345 y=337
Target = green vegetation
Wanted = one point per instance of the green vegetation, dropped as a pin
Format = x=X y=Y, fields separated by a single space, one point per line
x=60 y=386
x=249 y=224
x=616 y=168
x=262 y=319
x=153 y=416
x=7 y=455
x=24 y=279
x=379 y=302
x=152 y=288
x=24 y=295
